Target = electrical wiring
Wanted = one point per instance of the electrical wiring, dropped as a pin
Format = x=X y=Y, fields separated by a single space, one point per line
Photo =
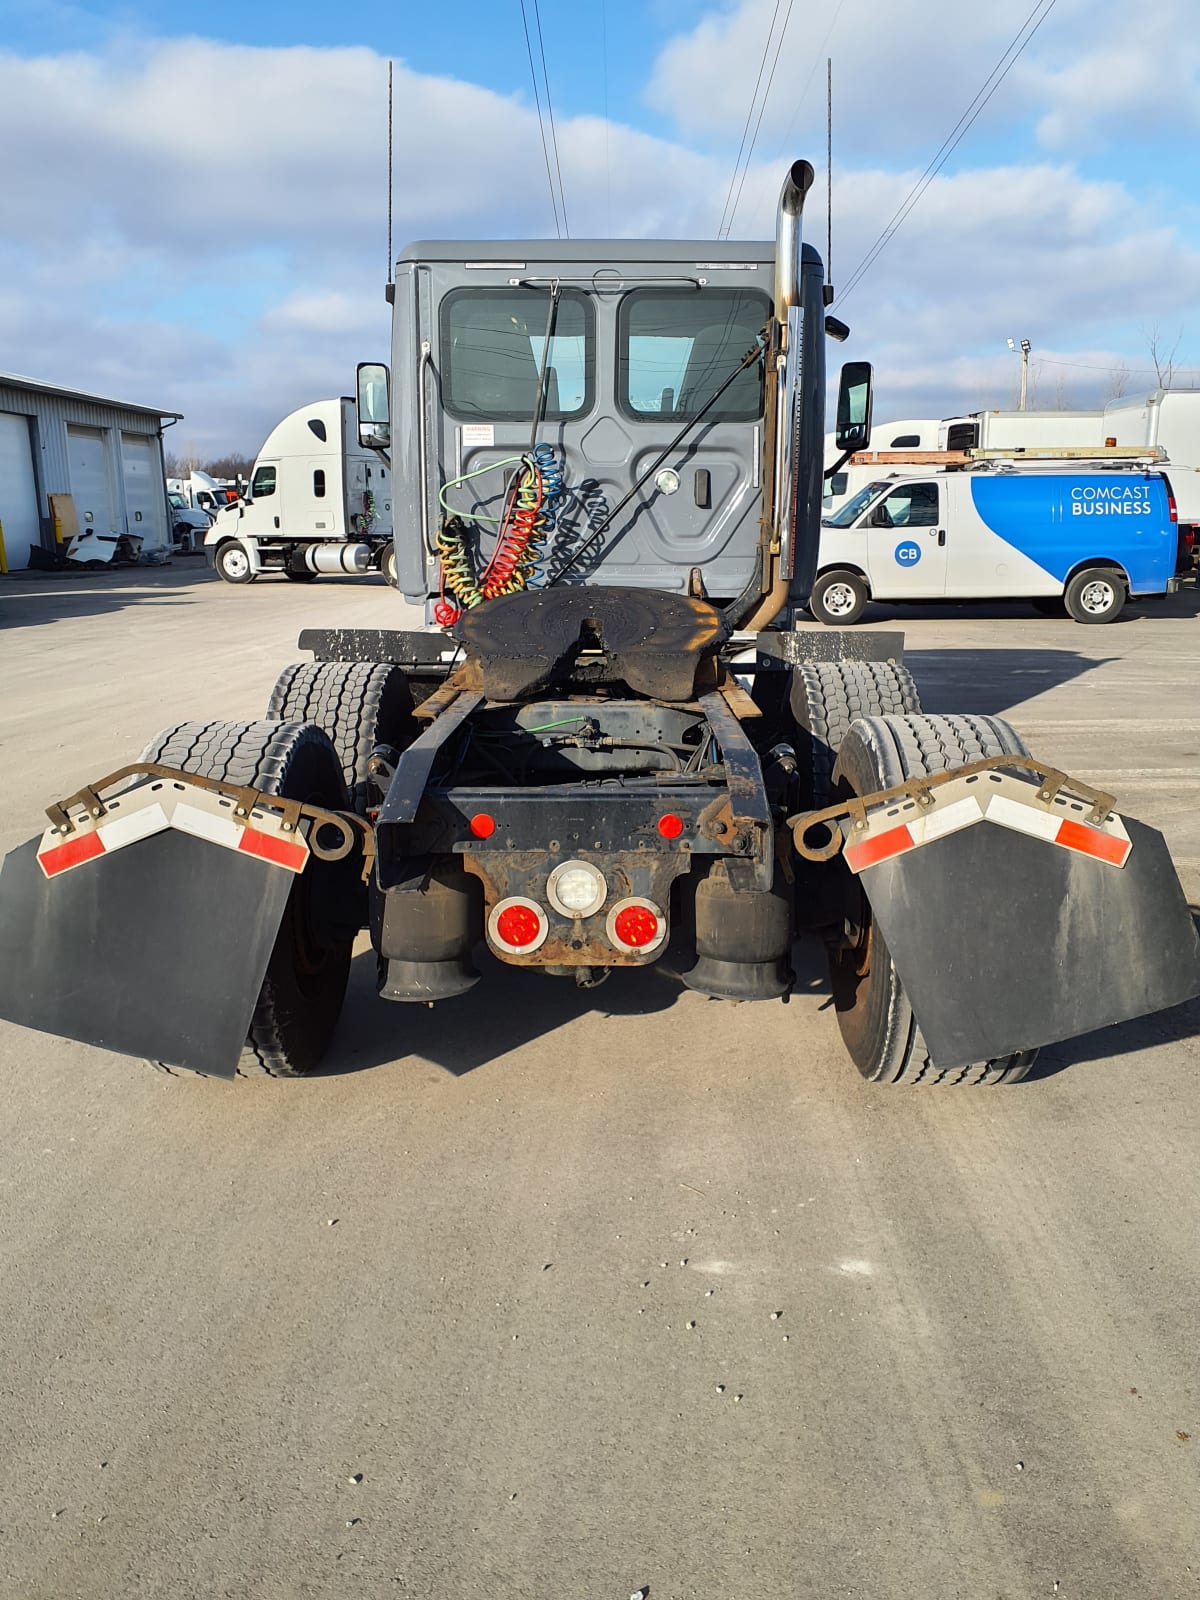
x=953 y=139
x=758 y=124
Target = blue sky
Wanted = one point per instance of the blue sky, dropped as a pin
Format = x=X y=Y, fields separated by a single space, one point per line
x=194 y=203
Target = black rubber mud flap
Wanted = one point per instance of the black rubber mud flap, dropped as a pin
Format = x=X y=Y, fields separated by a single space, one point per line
x=1005 y=943
x=156 y=951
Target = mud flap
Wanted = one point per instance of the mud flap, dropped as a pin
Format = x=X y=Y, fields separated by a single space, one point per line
x=1005 y=943
x=155 y=951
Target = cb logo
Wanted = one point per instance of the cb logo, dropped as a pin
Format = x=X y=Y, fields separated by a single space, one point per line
x=908 y=553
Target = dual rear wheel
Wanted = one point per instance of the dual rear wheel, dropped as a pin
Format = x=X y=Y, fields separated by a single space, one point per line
x=325 y=719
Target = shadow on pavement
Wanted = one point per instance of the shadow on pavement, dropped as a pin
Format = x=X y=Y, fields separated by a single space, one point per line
x=1139 y=612
x=29 y=600
x=509 y=1007
x=993 y=682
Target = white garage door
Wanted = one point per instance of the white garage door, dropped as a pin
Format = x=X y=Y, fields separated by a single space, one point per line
x=18 y=491
x=145 y=490
x=91 y=480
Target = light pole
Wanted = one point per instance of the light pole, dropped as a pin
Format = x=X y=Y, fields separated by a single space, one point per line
x=1026 y=347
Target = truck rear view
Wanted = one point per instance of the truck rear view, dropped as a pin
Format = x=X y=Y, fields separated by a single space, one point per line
x=611 y=746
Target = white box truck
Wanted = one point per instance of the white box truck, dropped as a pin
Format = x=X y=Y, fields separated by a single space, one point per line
x=1087 y=538
x=318 y=502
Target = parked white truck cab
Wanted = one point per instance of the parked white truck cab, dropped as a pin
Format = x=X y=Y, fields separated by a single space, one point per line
x=317 y=503
x=1086 y=539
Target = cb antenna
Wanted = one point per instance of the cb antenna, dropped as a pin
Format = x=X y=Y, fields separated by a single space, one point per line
x=828 y=180
x=389 y=180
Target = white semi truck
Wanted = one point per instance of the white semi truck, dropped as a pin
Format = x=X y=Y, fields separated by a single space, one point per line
x=318 y=502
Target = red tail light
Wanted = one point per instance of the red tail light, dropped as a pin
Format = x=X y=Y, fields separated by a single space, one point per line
x=518 y=926
x=636 y=925
x=482 y=826
x=670 y=826
x=1172 y=508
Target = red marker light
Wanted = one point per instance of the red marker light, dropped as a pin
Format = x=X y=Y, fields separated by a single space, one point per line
x=482 y=826
x=636 y=926
x=670 y=826
x=519 y=926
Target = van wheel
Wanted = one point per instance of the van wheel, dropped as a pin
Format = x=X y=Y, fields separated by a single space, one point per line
x=388 y=567
x=838 y=599
x=233 y=563
x=305 y=982
x=876 y=1020
x=1097 y=594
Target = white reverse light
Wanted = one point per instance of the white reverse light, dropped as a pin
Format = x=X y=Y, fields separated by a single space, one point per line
x=576 y=889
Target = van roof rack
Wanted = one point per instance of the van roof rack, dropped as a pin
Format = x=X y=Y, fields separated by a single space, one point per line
x=1121 y=454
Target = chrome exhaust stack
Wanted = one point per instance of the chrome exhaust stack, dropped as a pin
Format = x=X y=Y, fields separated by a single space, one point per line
x=783 y=356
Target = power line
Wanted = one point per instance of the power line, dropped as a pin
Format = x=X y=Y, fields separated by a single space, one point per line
x=749 y=114
x=954 y=138
x=787 y=17
x=562 y=198
x=1091 y=366
x=541 y=124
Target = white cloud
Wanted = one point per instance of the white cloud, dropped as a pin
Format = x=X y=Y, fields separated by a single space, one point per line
x=230 y=263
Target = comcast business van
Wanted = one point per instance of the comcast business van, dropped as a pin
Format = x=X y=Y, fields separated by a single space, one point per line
x=1084 y=539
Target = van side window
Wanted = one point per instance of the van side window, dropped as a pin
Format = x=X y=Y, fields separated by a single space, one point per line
x=906 y=441
x=263 y=483
x=912 y=505
x=319 y=483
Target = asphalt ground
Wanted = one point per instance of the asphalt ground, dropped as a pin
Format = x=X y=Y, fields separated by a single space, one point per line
x=580 y=1295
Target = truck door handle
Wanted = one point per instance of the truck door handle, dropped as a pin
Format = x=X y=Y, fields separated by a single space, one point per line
x=941 y=536
x=276 y=521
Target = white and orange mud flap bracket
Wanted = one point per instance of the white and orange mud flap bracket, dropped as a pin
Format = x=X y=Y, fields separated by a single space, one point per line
x=144 y=918
x=1018 y=907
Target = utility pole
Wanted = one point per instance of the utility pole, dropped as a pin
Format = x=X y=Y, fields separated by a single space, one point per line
x=1026 y=347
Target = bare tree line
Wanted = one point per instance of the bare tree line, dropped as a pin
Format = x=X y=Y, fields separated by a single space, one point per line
x=185 y=462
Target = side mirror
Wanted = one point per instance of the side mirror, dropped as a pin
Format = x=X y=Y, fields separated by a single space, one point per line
x=854 y=406
x=374 y=406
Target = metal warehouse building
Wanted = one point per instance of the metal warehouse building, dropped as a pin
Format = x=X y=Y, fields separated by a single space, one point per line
x=106 y=454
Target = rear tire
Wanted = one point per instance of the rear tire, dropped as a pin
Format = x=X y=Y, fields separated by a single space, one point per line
x=305 y=982
x=875 y=1018
x=359 y=704
x=826 y=698
x=838 y=599
x=1097 y=594
x=388 y=567
x=233 y=564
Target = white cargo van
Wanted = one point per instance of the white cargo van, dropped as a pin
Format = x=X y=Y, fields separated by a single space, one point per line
x=317 y=502
x=1086 y=539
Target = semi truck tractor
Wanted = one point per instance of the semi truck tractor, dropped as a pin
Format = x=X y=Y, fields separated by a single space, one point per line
x=613 y=746
x=318 y=502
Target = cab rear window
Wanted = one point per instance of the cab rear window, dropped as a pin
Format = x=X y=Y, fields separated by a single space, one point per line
x=493 y=341
x=676 y=347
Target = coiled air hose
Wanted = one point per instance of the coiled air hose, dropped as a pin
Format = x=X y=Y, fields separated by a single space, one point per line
x=529 y=518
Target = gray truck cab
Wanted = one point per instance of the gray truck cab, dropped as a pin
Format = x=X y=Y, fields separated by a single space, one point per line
x=614 y=347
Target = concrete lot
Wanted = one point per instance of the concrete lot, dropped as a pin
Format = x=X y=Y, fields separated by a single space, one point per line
x=595 y=1292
